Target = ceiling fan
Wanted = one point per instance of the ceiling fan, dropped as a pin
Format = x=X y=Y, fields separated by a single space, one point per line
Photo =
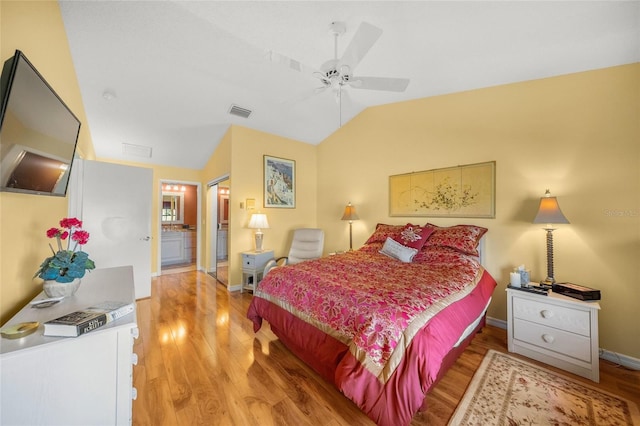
x=337 y=73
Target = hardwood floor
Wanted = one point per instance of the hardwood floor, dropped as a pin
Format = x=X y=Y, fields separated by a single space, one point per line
x=201 y=363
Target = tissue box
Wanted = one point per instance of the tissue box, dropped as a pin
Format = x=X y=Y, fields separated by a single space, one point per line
x=576 y=291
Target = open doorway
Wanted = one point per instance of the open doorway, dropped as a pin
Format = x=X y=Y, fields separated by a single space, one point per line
x=179 y=212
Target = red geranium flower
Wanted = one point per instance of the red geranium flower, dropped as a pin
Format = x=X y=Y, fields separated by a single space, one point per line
x=80 y=236
x=66 y=264
x=71 y=222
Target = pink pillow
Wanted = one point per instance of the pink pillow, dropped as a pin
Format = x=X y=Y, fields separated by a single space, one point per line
x=383 y=231
x=414 y=236
x=464 y=238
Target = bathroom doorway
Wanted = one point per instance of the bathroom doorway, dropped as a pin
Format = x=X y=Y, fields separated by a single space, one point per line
x=179 y=234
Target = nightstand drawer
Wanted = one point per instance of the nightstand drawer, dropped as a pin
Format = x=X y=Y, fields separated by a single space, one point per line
x=561 y=342
x=548 y=314
x=248 y=261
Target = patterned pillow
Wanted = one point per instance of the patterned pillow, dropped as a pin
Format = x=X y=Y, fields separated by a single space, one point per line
x=464 y=238
x=395 y=250
x=414 y=236
x=383 y=231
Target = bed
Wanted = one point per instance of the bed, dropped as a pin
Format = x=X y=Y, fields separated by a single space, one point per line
x=382 y=323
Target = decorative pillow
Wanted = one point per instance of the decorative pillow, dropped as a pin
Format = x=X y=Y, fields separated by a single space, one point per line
x=394 y=249
x=414 y=236
x=383 y=231
x=464 y=238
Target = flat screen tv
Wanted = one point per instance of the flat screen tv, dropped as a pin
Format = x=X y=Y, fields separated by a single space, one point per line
x=38 y=132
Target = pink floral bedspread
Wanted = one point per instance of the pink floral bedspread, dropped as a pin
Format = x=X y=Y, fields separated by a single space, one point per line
x=373 y=304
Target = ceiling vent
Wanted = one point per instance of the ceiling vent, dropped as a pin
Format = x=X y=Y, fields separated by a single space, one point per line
x=137 y=150
x=239 y=111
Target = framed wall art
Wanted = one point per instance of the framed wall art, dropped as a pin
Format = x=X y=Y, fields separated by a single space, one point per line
x=461 y=191
x=279 y=182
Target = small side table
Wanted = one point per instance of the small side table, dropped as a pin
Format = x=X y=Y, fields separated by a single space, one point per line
x=253 y=264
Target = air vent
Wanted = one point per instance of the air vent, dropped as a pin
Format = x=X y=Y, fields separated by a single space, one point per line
x=137 y=150
x=239 y=111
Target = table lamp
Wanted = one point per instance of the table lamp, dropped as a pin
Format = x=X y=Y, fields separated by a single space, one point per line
x=350 y=215
x=258 y=221
x=549 y=213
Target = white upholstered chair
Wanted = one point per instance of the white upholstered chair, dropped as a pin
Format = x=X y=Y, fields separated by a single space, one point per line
x=307 y=244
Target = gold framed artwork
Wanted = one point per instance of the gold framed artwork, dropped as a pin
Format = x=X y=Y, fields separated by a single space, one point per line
x=461 y=191
x=279 y=182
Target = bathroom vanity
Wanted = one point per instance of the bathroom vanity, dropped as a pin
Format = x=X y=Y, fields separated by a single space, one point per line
x=178 y=246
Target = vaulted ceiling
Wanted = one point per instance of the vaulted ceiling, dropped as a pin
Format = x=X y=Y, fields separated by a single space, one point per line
x=158 y=78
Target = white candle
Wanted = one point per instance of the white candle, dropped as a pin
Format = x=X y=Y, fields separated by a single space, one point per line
x=515 y=279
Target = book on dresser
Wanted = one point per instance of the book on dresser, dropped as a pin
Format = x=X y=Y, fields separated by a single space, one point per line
x=81 y=322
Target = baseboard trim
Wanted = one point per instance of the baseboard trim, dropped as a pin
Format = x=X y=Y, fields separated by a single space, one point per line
x=620 y=359
x=497 y=323
x=617 y=358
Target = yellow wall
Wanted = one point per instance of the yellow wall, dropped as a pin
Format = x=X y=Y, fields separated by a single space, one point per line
x=577 y=135
x=25 y=218
x=247 y=150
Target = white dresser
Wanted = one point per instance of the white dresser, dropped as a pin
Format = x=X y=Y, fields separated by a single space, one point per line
x=84 y=380
x=555 y=329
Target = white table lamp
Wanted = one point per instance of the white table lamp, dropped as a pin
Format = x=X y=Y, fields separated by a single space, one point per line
x=259 y=222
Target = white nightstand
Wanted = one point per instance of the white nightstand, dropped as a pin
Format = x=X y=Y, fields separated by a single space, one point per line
x=555 y=329
x=253 y=264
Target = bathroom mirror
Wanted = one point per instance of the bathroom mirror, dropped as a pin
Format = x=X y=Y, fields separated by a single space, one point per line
x=172 y=207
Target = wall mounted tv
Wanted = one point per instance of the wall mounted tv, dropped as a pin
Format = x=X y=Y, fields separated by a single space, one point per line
x=38 y=132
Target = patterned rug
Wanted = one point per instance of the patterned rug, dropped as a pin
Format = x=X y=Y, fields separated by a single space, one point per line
x=508 y=391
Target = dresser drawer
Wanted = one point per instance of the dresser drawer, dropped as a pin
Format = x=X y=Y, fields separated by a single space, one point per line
x=561 y=342
x=547 y=314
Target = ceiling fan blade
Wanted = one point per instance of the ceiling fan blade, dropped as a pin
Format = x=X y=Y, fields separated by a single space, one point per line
x=380 y=83
x=288 y=62
x=363 y=39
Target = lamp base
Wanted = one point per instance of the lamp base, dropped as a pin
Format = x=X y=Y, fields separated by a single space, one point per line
x=548 y=281
x=259 y=241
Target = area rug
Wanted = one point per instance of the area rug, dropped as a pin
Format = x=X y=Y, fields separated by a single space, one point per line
x=508 y=391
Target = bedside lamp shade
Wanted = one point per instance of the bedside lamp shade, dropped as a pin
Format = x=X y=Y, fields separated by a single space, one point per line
x=350 y=215
x=259 y=222
x=549 y=213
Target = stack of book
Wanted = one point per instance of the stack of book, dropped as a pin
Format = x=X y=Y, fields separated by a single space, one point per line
x=77 y=323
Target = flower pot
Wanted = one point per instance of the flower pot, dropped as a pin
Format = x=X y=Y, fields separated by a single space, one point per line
x=53 y=288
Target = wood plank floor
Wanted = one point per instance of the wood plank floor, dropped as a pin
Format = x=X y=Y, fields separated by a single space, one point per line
x=200 y=363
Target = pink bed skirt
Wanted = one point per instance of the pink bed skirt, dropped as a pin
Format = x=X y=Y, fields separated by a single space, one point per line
x=427 y=357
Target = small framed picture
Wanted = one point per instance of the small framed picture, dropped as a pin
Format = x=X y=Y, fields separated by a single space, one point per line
x=279 y=182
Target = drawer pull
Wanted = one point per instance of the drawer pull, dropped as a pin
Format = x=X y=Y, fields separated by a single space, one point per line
x=548 y=338
x=546 y=314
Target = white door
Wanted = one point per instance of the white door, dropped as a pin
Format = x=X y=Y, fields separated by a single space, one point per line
x=114 y=203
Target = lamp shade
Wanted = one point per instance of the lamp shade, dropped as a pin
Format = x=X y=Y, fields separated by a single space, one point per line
x=549 y=210
x=350 y=213
x=258 y=221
